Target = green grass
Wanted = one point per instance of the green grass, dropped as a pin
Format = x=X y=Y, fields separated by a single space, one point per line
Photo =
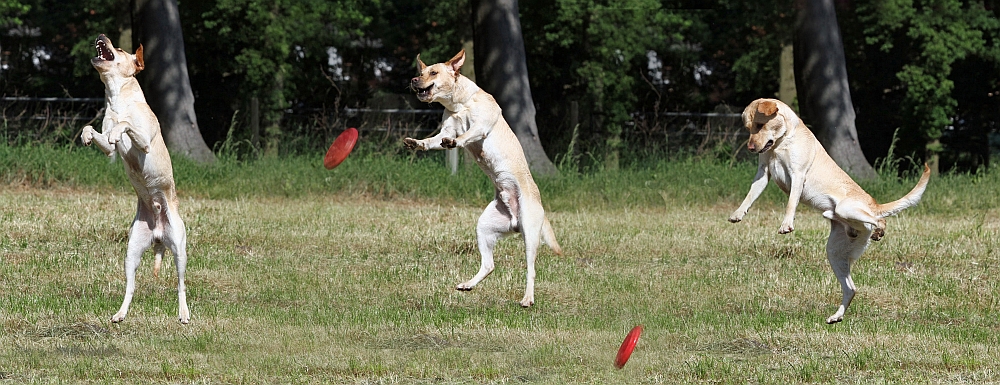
x=298 y=274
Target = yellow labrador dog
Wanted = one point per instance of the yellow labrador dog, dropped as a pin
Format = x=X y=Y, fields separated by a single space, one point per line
x=130 y=129
x=473 y=120
x=792 y=157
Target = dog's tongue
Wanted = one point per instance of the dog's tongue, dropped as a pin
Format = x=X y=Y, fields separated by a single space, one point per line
x=103 y=52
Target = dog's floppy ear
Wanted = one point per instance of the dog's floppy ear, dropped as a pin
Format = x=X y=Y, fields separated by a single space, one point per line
x=456 y=62
x=767 y=107
x=139 y=63
x=420 y=64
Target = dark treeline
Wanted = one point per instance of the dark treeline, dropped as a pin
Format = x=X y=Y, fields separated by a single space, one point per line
x=926 y=71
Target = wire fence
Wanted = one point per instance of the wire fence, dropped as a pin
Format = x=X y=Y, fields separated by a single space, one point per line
x=56 y=119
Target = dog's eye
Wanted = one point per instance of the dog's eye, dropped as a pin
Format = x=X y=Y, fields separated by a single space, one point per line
x=434 y=73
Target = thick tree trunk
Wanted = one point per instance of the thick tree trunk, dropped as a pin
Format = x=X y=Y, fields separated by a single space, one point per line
x=821 y=81
x=165 y=81
x=502 y=71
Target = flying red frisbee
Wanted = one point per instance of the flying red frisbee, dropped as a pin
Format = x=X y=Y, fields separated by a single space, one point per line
x=625 y=351
x=340 y=148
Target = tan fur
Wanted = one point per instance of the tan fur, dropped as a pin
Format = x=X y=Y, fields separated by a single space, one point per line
x=473 y=120
x=791 y=156
x=131 y=130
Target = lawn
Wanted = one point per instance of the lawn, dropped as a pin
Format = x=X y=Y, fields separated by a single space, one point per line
x=301 y=275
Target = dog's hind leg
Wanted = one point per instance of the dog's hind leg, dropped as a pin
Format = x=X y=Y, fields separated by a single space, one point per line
x=175 y=238
x=844 y=246
x=493 y=225
x=139 y=239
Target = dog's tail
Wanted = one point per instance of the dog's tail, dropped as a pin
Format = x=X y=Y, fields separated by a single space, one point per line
x=549 y=237
x=158 y=249
x=910 y=199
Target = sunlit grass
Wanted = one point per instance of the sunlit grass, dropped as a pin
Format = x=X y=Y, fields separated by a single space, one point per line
x=347 y=276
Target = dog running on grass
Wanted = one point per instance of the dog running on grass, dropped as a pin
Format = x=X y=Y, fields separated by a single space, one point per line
x=130 y=129
x=473 y=120
x=791 y=156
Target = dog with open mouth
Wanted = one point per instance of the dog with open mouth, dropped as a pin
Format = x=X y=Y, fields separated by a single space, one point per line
x=132 y=131
x=791 y=156
x=473 y=120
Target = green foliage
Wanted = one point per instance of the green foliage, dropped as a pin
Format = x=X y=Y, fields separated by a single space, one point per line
x=615 y=37
x=10 y=10
x=933 y=35
x=264 y=44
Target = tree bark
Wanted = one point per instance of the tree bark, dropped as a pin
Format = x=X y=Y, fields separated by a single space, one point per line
x=502 y=71
x=821 y=81
x=165 y=81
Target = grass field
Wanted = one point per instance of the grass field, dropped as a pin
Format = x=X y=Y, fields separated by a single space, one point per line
x=302 y=275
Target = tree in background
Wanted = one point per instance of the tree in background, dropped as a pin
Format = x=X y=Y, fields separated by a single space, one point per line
x=821 y=81
x=930 y=37
x=622 y=64
x=165 y=78
x=501 y=70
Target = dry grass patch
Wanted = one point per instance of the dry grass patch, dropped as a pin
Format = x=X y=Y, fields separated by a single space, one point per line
x=341 y=289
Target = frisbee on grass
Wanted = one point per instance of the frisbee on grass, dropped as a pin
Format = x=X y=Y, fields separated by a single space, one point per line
x=340 y=148
x=625 y=351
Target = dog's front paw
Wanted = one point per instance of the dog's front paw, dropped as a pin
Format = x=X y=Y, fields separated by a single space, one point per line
x=411 y=144
x=527 y=301
x=118 y=317
x=448 y=143
x=87 y=136
x=736 y=217
x=785 y=229
x=115 y=135
x=877 y=234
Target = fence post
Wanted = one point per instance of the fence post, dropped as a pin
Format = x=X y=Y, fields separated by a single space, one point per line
x=452 y=157
x=574 y=113
x=255 y=122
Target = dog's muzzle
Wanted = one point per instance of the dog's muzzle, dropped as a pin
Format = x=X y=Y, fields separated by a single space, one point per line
x=423 y=93
x=103 y=51
x=770 y=143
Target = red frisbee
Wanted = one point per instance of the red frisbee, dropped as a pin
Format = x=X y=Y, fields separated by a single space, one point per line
x=625 y=351
x=340 y=148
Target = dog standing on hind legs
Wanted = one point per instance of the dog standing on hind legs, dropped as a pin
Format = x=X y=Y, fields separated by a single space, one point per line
x=130 y=129
x=791 y=156
x=473 y=120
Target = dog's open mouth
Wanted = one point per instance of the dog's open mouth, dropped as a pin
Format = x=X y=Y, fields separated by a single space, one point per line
x=103 y=51
x=770 y=143
x=424 y=93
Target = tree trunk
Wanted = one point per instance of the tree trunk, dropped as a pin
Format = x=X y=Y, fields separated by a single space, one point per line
x=821 y=81
x=501 y=70
x=165 y=81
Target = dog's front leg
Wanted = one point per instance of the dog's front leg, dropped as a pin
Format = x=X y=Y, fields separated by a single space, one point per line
x=478 y=127
x=138 y=138
x=794 y=194
x=449 y=128
x=756 y=188
x=90 y=135
x=126 y=128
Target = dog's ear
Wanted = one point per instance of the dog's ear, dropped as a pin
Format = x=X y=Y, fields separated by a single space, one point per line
x=456 y=62
x=420 y=64
x=139 y=63
x=767 y=107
